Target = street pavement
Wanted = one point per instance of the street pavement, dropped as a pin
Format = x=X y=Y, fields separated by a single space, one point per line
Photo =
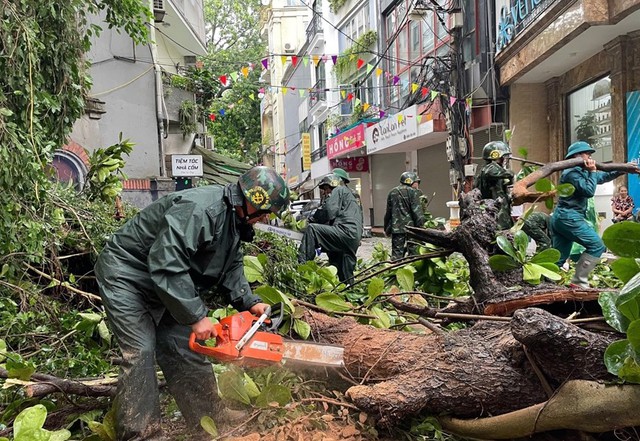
x=367 y=245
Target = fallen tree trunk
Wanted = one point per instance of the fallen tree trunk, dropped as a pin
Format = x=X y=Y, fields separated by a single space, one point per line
x=474 y=372
x=41 y=385
x=587 y=406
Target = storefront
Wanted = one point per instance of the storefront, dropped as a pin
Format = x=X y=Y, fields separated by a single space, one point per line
x=571 y=67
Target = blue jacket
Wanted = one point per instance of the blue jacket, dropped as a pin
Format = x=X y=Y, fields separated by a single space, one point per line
x=585 y=183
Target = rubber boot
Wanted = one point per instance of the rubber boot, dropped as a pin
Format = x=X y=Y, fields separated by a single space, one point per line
x=584 y=266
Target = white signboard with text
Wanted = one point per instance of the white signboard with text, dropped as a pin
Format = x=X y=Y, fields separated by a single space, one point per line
x=186 y=165
x=392 y=130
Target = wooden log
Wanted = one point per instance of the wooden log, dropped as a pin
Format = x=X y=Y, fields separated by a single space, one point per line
x=42 y=385
x=475 y=372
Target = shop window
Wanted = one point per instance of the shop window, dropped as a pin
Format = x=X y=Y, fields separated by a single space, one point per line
x=589 y=118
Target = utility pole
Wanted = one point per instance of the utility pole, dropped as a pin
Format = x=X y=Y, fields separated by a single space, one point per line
x=457 y=146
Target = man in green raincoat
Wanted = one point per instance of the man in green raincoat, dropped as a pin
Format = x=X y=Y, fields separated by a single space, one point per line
x=404 y=208
x=150 y=275
x=340 y=231
x=494 y=177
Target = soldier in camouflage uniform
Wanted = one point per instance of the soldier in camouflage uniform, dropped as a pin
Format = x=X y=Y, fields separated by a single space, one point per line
x=150 y=276
x=340 y=233
x=536 y=225
x=493 y=179
x=403 y=209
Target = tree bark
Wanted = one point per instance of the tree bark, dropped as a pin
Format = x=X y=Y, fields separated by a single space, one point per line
x=42 y=385
x=475 y=372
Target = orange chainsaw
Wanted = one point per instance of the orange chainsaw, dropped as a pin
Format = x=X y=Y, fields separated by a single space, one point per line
x=248 y=340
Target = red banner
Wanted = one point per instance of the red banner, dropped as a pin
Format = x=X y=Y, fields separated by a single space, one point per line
x=353 y=164
x=345 y=142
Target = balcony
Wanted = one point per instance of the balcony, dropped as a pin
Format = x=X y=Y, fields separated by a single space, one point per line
x=315 y=35
x=318 y=98
x=319 y=153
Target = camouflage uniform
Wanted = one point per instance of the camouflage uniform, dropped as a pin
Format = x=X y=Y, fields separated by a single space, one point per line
x=341 y=235
x=492 y=181
x=403 y=209
x=537 y=228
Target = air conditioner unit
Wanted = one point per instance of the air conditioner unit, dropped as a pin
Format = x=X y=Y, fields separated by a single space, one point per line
x=289 y=48
x=158 y=11
x=189 y=60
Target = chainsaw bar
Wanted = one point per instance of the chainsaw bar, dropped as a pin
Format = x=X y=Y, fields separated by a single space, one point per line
x=313 y=354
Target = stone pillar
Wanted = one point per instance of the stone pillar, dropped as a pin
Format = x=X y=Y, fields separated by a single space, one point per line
x=555 y=118
x=617 y=51
x=634 y=61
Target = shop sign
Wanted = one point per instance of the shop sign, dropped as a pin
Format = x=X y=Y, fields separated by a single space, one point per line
x=354 y=164
x=186 y=165
x=515 y=16
x=392 y=130
x=306 y=151
x=346 y=142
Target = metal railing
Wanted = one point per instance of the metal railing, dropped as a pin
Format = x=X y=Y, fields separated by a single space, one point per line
x=314 y=27
x=319 y=153
x=317 y=93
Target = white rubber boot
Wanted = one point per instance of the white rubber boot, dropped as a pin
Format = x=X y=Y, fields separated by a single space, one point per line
x=584 y=266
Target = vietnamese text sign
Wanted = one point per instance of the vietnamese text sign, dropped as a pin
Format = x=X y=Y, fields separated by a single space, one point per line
x=306 y=151
x=345 y=142
x=186 y=165
x=515 y=16
x=392 y=130
x=353 y=164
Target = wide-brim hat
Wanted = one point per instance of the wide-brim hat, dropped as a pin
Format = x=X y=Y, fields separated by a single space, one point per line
x=341 y=174
x=579 y=147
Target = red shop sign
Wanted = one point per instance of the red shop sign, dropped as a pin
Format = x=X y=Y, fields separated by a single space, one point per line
x=353 y=164
x=345 y=142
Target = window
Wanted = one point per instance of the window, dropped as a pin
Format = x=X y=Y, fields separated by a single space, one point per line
x=415 y=40
x=356 y=26
x=589 y=118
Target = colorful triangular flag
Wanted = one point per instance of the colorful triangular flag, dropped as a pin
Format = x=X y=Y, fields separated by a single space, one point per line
x=414 y=87
x=434 y=95
x=315 y=59
x=294 y=60
x=245 y=71
x=265 y=63
x=234 y=76
x=378 y=72
x=365 y=107
x=452 y=100
x=396 y=78
x=424 y=91
x=223 y=79
x=334 y=58
x=305 y=60
x=283 y=58
x=360 y=63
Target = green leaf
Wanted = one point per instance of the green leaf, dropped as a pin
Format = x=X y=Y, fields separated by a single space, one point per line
x=630 y=370
x=531 y=273
x=628 y=303
x=29 y=420
x=332 y=302
x=623 y=239
x=550 y=255
x=271 y=296
x=302 y=328
x=90 y=317
x=232 y=386
x=250 y=386
x=383 y=321
x=3 y=350
x=17 y=368
x=506 y=246
x=253 y=270
x=614 y=318
x=615 y=355
x=633 y=335
x=375 y=288
x=546 y=272
x=625 y=268
x=500 y=262
x=544 y=185
x=549 y=204
x=565 y=190
x=274 y=393
x=103 y=331
x=521 y=241
x=405 y=279
x=209 y=425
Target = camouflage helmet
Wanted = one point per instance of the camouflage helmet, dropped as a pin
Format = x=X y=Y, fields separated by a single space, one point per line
x=264 y=189
x=330 y=180
x=408 y=178
x=495 y=150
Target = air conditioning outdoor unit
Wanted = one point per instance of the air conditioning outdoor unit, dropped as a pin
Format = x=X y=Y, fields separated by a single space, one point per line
x=158 y=11
x=289 y=48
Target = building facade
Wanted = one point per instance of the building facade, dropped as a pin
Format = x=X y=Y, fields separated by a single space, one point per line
x=572 y=68
x=132 y=94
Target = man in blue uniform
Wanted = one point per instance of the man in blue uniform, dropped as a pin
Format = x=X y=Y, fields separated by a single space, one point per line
x=150 y=275
x=569 y=223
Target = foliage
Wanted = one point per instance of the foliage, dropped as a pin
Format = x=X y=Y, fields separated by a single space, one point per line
x=187 y=116
x=28 y=426
x=105 y=171
x=345 y=65
x=335 y=5
x=44 y=82
x=622 y=309
x=534 y=267
x=586 y=130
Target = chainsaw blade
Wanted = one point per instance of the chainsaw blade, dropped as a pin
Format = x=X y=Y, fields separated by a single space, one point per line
x=313 y=354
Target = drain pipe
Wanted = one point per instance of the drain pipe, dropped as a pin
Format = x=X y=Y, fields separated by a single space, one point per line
x=158 y=83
